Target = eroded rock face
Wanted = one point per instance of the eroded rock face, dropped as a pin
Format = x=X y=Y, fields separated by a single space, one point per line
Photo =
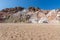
x=38 y=17
x=58 y=16
x=3 y=16
x=52 y=16
x=30 y=15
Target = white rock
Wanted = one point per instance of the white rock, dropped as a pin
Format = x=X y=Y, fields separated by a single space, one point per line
x=42 y=20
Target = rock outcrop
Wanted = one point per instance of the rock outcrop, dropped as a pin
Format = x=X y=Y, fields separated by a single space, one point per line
x=30 y=15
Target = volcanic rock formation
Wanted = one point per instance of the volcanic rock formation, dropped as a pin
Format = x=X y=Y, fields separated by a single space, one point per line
x=30 y=15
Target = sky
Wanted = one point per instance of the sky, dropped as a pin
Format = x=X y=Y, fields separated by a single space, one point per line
x=43 y=4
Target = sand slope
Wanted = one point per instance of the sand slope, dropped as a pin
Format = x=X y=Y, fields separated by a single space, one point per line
x=29 y=31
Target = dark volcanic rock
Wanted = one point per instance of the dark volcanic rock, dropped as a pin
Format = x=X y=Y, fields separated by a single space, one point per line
x=33 y=9
x=13 y=10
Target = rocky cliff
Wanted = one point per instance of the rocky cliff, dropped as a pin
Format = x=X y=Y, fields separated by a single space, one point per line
x=30 y=15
